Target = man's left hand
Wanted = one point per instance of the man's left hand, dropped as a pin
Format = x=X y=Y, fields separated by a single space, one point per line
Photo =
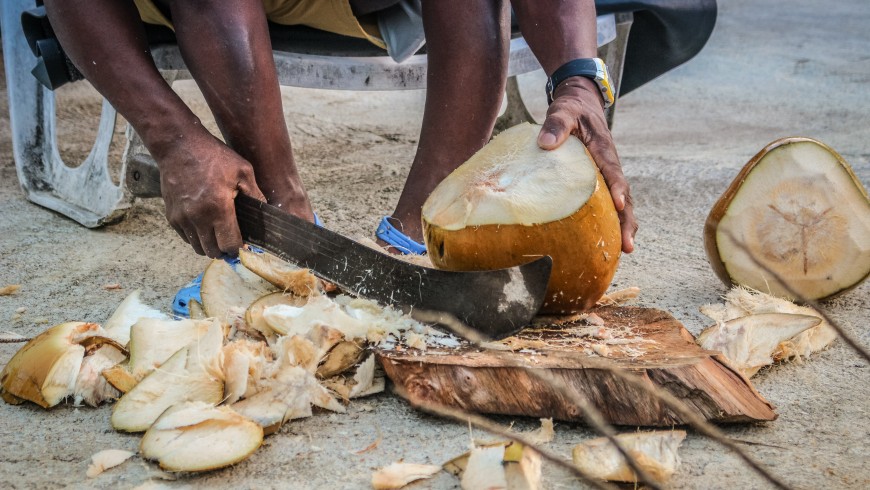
x=578 y=109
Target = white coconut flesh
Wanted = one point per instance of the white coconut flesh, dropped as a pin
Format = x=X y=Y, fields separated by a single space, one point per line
x=804 y=216
x=499 y=185
x=655 y=452
x=90 y=386
x=191 y=374
x=751 y=342
x=197 y=436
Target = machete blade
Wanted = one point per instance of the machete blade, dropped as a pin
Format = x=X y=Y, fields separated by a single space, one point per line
x=496 y=304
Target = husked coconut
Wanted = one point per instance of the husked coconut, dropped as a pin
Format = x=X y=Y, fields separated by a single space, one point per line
x=225 y=288
x=153 y=341
x=655 y=452
x=191 y=374
x=800 y=211
x=197 y=436
x=130 y=310
x=513 y=202
x=283 y=275
x=750 y=342
x=397 y=475
x=741 y=301
x=44 y=371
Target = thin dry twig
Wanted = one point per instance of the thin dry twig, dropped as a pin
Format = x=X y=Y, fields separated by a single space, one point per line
x=590 y=414
x=460 y=415
x=693 y=419
x=799 y=297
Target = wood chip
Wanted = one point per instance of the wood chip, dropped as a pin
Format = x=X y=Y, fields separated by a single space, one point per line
x=10 y=289
x=112 y=287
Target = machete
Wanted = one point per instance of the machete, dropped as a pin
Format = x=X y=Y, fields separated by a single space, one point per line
x=496 y=304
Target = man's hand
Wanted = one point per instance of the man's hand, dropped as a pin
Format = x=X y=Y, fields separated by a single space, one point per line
x=199 y=182
x=577 y=109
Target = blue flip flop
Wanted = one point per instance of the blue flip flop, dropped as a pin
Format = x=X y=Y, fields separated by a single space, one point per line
x=191 y=290
x=388 y=233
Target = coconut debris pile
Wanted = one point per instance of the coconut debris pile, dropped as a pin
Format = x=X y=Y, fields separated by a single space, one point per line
x=754 y=330
x=264 y=347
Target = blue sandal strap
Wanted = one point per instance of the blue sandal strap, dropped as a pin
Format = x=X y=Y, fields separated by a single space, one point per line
x=191 y=290
x=388 y=233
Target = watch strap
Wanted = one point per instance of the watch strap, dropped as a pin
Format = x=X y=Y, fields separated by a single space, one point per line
x=591 y=68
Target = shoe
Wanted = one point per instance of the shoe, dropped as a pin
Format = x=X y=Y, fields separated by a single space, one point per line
x=191 y=290
x=395 y=238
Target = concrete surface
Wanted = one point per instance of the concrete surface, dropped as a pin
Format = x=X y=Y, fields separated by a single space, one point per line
x=771 y=69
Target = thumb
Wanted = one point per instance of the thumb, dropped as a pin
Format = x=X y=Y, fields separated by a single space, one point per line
x=555 y=130
x=248 y=186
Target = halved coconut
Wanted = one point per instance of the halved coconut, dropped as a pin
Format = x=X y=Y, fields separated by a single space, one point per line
x=801 y=211
x=513 y=202
x=750 y=342
x=197 y=436
x=153 y=341
x=283 y=275
x=128 y=313
x=655 y=452
x=191 y=374
x=225 y=288
x=45 y=370
x=254 y=314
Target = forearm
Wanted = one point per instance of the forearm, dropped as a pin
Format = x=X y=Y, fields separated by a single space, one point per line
x=106 y=42
x=558 y=31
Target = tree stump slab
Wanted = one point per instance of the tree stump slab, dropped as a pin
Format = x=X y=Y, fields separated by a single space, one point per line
x=647 y=342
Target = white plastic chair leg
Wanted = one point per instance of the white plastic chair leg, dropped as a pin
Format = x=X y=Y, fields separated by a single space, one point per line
x=86 y=193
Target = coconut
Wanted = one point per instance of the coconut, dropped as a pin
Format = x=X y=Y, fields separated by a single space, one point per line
x=802 y=213
x=513 y=202
x=197 y=436
x=46 y=369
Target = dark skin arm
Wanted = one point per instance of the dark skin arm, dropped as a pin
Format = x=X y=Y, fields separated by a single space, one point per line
x=559 y=31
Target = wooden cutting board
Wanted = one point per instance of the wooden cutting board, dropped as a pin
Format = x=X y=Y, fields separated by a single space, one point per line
x=645 y=341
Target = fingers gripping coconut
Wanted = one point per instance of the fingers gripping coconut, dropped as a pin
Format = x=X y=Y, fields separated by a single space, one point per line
x=514 y=201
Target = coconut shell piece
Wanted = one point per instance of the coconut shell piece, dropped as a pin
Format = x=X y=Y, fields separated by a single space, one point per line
x=397 y=475
x=801 y=211
x=254 y=313
x=126 y=315
x=153 y=341
x=340 y=358
x=120 y=378
x=107 y=459
x=44 y=371
x=197 y=436
x=191 y=374
x=225 y=288
x=749 y=342
x=655 y=452
x=283 y=275
x=512 y=202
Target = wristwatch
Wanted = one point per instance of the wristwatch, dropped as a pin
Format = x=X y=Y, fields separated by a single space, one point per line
x=591 y=68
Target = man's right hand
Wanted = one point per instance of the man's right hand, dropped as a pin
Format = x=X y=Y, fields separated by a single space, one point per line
x=199 y=181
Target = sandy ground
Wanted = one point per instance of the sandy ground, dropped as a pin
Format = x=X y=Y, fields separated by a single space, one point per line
x=771 y=69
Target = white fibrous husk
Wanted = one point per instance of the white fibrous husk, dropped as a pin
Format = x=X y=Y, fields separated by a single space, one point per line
x=130 y=311
x=397 y=475
x=243 y=363
x=750 y=342
x=107 y=459
x=741 y=301
x=284 y=276
x=197 y=436
x=655 y=452
x=153 y=341
x=91 y=387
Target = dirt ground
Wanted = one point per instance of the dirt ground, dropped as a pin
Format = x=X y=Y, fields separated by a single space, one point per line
x=772 y=69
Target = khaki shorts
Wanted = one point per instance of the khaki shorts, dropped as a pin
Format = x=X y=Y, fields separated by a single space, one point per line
x=327 y=15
